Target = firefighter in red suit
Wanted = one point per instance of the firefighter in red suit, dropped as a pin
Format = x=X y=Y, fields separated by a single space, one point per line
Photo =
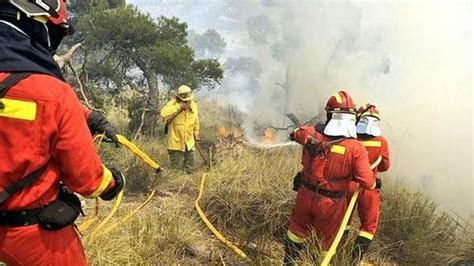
x=44 y=139
x=370 y=135
x=331 y=158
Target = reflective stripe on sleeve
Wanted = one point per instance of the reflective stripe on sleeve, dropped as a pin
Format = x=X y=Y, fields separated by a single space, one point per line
x=367 y=235
x=338 y=149
x=372 y=143
x=106 y=179
x=17 y=109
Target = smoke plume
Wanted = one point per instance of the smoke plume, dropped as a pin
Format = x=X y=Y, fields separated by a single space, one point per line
x=412 y=59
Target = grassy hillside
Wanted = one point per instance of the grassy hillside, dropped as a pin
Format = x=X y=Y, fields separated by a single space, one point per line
x=248 y=197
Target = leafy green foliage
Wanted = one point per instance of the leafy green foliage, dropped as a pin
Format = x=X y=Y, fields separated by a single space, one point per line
x=171 y=30
x=124 y=48
x=207 y=71
x=129 y=39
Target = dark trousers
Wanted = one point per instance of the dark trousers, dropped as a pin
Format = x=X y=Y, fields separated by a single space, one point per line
x=182 y=160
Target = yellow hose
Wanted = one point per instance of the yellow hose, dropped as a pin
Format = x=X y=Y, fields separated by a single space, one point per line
x=92 y=236
x=118 y=201
x=133 y=148
x=332 y=250
x=84 y=226
x=128 y=216
x=210 y=226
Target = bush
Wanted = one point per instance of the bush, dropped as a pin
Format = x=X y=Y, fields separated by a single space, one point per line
x=413 y=230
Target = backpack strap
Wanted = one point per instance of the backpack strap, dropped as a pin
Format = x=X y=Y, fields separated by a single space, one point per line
x=168 y=122
x=9 y=82
x=5 y=85
x=25 y=182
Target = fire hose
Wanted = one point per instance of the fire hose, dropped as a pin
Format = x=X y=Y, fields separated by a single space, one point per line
x=332 y=250
x=229 y=244
x=88 y=223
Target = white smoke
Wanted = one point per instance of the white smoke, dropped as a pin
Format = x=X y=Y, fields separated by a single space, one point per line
x=413 y=59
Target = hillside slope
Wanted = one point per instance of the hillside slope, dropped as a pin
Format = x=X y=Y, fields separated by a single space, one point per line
x=248 y=197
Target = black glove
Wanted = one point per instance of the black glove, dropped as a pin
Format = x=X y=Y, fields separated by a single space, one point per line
x=98 y=124
x=378 y=183
x=292 y=136
x=119 y=184
x=314 y=149
x=160 y=170
x=297 y=181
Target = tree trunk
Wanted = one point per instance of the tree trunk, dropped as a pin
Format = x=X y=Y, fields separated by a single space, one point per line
x=152 y=82
x=151 y=118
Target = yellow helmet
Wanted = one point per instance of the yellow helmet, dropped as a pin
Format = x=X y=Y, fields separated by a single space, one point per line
x=185 y=93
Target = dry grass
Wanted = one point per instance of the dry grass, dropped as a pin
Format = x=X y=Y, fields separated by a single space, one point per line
x=163 y=234
x=249 y=198
x=252 y=192
x=414 y=231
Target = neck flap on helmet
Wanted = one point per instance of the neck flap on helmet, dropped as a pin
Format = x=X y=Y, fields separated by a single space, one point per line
x=369 y=125
x=341 y=124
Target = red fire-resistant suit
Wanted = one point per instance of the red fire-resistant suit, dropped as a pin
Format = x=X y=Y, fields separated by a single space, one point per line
x=47 y=127
x=369 y=200
x=313 y=211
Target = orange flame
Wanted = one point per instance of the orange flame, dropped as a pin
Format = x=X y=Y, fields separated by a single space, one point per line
x=224 y=132
x=268 y=136
x=237 y=133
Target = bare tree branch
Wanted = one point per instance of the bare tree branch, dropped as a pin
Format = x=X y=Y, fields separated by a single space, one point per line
x=311 y=121
x=66 y=58
x=81 y=89
x=280 y=128
x=142 y=122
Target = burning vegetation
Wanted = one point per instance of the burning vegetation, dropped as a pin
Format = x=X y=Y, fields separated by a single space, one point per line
x=268 y=136
x=224 y=132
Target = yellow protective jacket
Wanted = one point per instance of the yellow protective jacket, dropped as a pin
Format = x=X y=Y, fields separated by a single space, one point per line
x=184 y=126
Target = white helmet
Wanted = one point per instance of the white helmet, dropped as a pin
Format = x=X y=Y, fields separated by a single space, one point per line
x=185 y=93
